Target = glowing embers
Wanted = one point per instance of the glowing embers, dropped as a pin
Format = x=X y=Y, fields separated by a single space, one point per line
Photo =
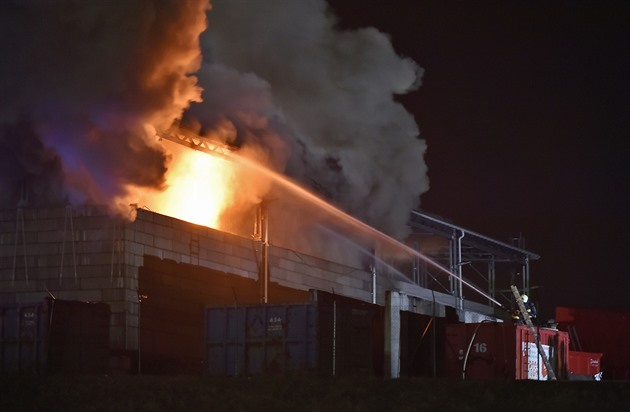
x=199 y=187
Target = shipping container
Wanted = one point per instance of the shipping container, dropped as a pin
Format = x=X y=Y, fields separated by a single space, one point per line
x=350 y=335
x=23 y=337
x=78 y=337
x=55 y=336
x=329 y=336
x=260 y=338
x=599 y=331
x=490 y=350
x=172 y=311
x=584 y=365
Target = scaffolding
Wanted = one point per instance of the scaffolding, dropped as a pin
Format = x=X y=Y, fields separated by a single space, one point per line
x=474 y=258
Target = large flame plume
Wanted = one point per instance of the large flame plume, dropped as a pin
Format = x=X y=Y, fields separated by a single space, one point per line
x=209 y=187
x=199 y=187
x=92 y=83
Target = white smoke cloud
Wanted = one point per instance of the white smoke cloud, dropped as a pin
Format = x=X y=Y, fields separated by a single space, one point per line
x=329 y=95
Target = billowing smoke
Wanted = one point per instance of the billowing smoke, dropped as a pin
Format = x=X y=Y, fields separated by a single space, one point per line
x=87 y=82
x=328 y=93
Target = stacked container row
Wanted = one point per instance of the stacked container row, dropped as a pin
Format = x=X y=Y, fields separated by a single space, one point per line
x=329 y=337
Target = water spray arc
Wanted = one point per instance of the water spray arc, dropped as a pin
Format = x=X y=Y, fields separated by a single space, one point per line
x=367 y=253
x=217 y=149
x=335 y=212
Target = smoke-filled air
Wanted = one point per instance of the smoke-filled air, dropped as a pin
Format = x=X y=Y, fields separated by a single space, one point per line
x=88 y=86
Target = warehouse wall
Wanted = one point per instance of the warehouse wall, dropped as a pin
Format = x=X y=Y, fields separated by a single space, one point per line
x=85 y=254
x=71 y=254
x=167 y=238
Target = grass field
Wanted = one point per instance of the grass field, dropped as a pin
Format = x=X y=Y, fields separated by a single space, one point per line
x=302 y=393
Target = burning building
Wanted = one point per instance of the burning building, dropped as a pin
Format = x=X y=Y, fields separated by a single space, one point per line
x=157 y=274
x=97 y=91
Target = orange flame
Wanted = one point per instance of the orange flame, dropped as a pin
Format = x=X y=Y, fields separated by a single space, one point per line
x=198 y=188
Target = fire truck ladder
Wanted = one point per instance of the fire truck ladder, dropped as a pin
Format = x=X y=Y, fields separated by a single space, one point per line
x=532 y=328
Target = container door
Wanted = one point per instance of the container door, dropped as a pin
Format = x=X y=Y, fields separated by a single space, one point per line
x=23 y=338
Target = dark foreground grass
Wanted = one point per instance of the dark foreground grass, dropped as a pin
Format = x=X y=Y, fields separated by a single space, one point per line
x=302 y=393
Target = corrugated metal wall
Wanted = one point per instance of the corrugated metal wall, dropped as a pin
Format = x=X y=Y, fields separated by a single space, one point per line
x=350 y=335
x=23 y=338
x=250 y=340
x=330 y=336
x=172 y=310
x=55 y=337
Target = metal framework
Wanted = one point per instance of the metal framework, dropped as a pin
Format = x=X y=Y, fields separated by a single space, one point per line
x=464 y=249
x=194 y=142
x=464 y=252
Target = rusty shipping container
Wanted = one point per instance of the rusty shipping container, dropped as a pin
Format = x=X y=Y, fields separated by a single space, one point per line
x=486 y=351
x=55 y=336
x=329 y=336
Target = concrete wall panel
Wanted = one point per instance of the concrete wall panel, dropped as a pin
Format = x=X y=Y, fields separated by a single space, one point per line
x=113 y=278
x=93 y=295
x=143 y=238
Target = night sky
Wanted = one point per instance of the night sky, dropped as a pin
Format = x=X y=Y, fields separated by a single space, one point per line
x=524 y=106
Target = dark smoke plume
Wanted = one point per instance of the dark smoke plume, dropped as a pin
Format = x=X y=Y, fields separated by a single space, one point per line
x=328 y=94
x=85 y=84
x=94 y=79
x=29 y=172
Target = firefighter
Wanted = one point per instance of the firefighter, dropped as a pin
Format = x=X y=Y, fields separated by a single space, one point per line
x=529 y=307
